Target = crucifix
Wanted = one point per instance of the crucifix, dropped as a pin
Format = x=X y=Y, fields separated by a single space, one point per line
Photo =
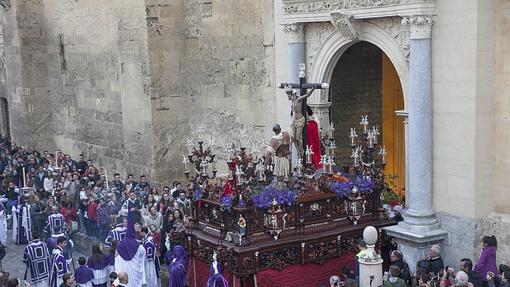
x=298 y=104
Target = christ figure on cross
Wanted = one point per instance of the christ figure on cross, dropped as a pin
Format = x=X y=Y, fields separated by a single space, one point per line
x=298 y=118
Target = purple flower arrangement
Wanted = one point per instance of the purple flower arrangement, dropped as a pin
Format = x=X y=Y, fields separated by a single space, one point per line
x=283 y=196
x=197 y=195
x=226 y=202
x=344 y=189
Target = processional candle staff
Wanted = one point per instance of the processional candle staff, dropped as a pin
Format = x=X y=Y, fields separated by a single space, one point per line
x=24 y=178
x=106 y=178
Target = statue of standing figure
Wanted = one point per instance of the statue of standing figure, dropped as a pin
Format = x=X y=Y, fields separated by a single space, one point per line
x=298 y=119
x=278 y=153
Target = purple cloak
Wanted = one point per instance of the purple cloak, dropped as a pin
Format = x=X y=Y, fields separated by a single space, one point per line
x=83 y=274
x=128 y=246
x=216 y=280
x=178 y=268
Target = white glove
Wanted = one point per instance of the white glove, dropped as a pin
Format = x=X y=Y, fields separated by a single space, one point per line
x=71 y=242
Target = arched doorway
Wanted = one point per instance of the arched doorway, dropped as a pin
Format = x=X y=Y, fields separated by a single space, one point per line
x=365 y=82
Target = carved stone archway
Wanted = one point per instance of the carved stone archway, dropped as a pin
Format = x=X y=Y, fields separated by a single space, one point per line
x=337 y=43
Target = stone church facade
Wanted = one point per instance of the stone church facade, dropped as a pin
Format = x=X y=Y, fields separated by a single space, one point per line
x=127 y=82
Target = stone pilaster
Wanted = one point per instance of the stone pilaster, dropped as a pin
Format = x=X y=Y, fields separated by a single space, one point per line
x=420 y=228
x=296 y=46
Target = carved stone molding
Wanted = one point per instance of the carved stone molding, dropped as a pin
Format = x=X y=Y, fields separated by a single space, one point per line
x=329 y=5
x=393 y=27
x=295 y=32
x=420 y=26
x=344 y=25
x=6 y=4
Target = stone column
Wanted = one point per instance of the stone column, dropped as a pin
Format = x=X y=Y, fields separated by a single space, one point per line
x=420 y=228
x=420 y=212
x=296 y=46
x=296 y=56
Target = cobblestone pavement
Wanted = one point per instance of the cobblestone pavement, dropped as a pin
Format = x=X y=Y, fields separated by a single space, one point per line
x=13 y=260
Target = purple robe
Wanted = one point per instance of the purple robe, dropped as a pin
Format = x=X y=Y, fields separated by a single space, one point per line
x=58 y=267
x=55 y=220
x=152 y=268
x=131 y=256
x=216 y=279
x=83 y=275
x=118 y=233
x=52 y=241
x=100 y=269
x=177 y=267
x=37 y=258
x=22 y=225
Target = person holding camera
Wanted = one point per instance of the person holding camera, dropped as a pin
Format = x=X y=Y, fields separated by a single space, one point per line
x=446 y=276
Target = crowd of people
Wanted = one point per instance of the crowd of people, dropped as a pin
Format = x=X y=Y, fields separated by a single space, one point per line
x=49 y=198
x=431 y=270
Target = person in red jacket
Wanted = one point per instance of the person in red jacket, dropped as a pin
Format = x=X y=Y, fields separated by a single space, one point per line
x=69 y=213
x=92 y=216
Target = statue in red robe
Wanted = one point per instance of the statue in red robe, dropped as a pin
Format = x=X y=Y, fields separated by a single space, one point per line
x=313 y=140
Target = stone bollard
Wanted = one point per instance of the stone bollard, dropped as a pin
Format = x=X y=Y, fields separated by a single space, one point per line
x=370 y=264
